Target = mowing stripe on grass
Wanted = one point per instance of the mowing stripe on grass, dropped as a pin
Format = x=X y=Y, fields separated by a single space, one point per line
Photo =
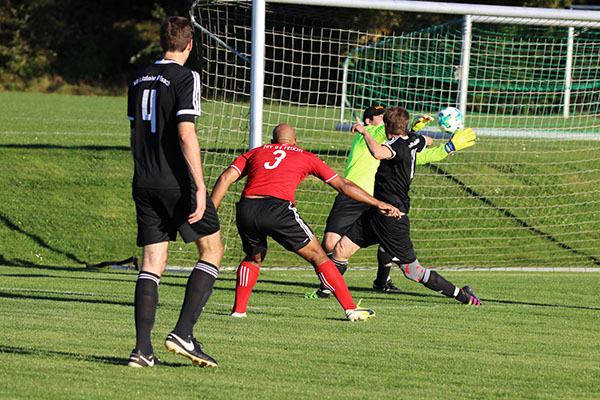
x=510 y=215
x=64 y=133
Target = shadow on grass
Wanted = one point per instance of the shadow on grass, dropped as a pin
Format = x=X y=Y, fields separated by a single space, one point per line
x=103 y=299
x=46 y=146
x=41 y=242
x=133 y=278
x=28 y=264
x=230 y=280
x=9 y=295
x=527 y=303
x=388 y=296
x=358 y=291
x=75 y=356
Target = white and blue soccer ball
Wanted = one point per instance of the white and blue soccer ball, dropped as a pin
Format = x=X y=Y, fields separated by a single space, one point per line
x=450 y=120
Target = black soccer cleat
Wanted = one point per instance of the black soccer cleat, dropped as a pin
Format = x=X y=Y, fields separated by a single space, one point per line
x=321 y=293
x=139 y=360
x=387 y=288
x=472 y=299
x=189 y=347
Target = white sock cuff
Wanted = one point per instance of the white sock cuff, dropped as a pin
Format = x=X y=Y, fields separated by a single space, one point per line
x=150 y=276
x=207 y=267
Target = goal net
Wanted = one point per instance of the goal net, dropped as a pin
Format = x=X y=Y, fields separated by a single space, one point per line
x=526 y=195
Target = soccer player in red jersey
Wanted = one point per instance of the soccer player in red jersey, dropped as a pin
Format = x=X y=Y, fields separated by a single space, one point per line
x=267 y=208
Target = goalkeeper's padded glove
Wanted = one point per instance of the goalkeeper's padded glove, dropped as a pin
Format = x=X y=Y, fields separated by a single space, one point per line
x=460 y=140
x=419 y=123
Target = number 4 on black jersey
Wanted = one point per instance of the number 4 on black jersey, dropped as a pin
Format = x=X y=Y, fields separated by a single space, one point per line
x=161 y=96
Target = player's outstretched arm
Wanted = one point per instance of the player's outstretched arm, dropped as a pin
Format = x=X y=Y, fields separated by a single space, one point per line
x=432 y=154
x=355 y=192
x=228 y=176
x=461 y=140
x=191 y=152
x=376 y=149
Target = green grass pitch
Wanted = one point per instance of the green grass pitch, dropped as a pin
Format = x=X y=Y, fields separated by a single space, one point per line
x=67 y=332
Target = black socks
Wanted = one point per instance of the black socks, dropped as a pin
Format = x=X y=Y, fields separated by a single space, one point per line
x=197 y=292
x=146 y=301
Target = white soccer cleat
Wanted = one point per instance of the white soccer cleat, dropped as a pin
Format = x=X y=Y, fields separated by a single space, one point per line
x=238 y=314
x=360 y=314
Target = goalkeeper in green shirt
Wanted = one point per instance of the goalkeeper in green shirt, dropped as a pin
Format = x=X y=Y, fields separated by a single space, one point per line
x=360 y=169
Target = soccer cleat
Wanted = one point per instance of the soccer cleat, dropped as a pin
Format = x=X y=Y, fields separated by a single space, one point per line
x=238 y=314
x=189 y=347
x=359 y=314
x=139 y=360
x=318 y=294
x=388 y=287
x=473 y=299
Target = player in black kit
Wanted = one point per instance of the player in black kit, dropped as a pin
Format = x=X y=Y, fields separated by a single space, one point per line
x=392 y=184
x=170 y=193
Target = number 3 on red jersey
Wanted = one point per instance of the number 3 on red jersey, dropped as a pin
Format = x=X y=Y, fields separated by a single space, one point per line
x=279 y=156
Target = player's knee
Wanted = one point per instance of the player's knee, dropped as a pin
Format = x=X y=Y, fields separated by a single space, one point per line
x=329 y=241
x=415 y=272
x=344 y=249
x=256 y=258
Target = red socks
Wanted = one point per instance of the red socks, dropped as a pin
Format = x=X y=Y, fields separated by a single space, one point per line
x=331 y=277
x=327 y=272
x=247 y=275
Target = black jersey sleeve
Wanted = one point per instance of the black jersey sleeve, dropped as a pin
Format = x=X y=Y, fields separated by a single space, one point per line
x=418 y=142
x=188 y=97
x=130 y=106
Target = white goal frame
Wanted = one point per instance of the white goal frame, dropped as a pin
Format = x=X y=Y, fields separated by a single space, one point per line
x=472 y=12
x=265 y=62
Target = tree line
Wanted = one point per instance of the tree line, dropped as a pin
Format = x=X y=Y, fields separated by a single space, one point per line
x=96 y=46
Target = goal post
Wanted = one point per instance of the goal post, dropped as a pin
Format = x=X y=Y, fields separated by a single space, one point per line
x=527 y=194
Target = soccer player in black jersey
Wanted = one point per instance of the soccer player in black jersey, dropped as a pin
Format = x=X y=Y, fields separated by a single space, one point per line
x=392 y=184
x=170 y=193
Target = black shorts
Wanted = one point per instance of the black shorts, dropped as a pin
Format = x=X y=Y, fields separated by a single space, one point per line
x=393 y=235
x=161 y=213
x=344 y=212
x=258 y=218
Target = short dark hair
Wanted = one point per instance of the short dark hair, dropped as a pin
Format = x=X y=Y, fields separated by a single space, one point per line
x=175 y=34
x=396 y=121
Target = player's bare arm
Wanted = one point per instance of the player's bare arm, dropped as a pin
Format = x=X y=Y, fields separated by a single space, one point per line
x=228 y=176
x=355 y=192
x=191 y=153
x=376 y=149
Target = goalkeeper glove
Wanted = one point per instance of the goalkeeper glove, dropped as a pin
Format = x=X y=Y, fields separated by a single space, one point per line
x=460 y=140
x=419 y=123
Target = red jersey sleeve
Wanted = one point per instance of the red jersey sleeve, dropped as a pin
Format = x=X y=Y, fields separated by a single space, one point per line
x=240 y=163
x=321 y=170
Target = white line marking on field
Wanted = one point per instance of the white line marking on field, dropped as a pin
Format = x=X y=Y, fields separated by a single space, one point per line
x=178 y=269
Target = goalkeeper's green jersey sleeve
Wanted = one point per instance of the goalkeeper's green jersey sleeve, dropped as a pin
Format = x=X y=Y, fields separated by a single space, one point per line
x=431 y=154
x=361 y=165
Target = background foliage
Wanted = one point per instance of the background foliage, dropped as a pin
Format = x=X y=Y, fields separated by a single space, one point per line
x=62 y=46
